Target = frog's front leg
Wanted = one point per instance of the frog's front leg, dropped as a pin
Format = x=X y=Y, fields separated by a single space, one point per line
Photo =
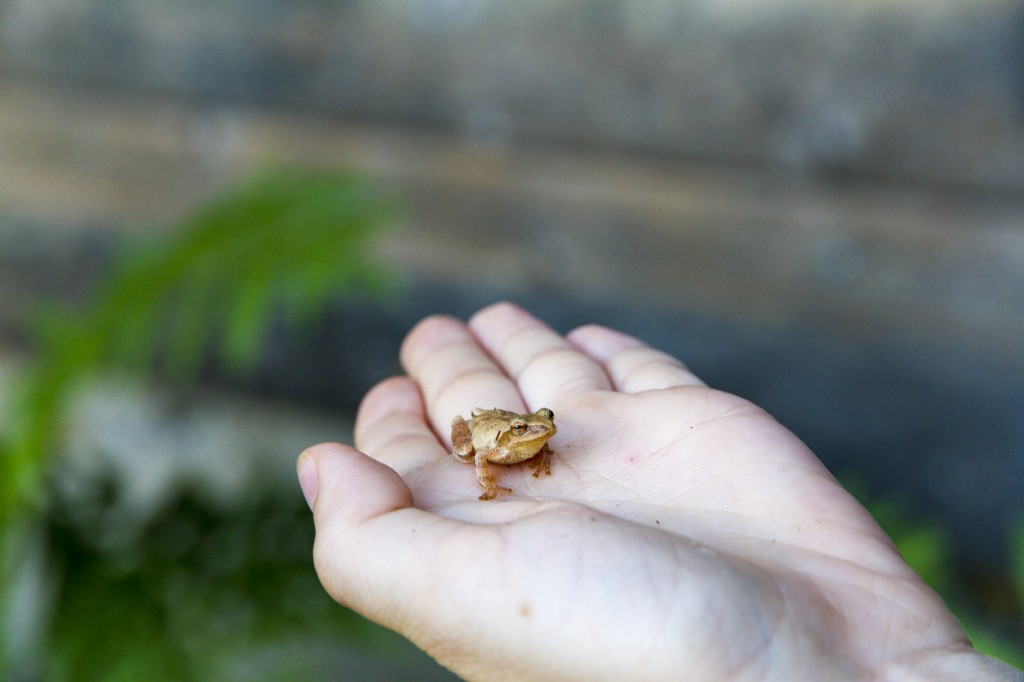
x=542 y=461
x=486 y=480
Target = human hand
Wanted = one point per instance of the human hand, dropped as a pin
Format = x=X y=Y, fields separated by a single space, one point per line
x=683 y=534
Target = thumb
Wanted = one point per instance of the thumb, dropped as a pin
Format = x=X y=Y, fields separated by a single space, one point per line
x=368 y=535
x=344 y=484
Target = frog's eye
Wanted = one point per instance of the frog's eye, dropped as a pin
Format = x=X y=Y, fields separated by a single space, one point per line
x=518 y=427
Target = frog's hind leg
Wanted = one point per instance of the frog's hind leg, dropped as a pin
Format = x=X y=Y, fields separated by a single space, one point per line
x=483 y=475
x=462 y=440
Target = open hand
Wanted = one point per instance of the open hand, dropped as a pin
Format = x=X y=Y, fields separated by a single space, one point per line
x=683 y=533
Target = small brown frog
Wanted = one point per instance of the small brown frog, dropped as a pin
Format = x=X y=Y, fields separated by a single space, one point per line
x=503 y=437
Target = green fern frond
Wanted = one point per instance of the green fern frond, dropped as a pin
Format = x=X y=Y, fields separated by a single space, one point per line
x=287 y=240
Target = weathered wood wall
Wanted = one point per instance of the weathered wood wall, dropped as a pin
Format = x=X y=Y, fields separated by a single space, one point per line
x=858 y=165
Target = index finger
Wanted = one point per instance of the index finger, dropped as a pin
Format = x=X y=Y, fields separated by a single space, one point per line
x=544 y=365
x=454 y=372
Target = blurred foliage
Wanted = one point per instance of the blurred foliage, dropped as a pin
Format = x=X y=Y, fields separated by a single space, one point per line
x=283 y=246
x=927 y=547
x=1005 y=639
x=200 y=591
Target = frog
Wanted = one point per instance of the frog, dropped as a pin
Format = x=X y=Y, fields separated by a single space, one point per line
x=503 y=437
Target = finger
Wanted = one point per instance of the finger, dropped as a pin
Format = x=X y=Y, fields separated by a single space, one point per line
x=454 y=372
x=391 y=427
x=632 y=365
x=369 y=536
x=544 y=365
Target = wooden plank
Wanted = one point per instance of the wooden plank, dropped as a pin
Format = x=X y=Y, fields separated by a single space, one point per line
x=918 y=89
x=856 y=259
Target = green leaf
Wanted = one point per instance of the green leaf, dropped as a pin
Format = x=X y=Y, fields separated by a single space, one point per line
x=286 y=241
x=1017 y=564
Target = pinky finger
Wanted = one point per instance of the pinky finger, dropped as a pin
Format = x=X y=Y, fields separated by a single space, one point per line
x=632 y=365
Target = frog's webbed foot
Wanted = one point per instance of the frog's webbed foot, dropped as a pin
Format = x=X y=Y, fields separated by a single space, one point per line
x=541 y=462
x=492 y=490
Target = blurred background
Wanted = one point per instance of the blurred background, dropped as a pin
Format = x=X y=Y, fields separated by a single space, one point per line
x=217 y=220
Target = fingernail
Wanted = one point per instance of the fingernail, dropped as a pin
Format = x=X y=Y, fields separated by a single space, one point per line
x=308 y=478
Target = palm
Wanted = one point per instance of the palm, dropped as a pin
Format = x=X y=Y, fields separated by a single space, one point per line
x=635 y=448
x=682 y=529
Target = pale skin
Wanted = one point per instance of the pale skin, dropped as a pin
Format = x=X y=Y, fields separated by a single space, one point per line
x=684 y=535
